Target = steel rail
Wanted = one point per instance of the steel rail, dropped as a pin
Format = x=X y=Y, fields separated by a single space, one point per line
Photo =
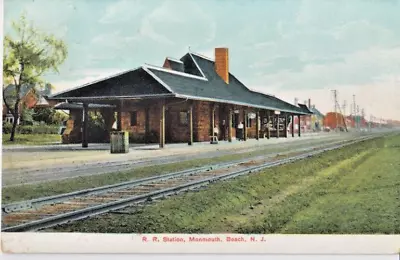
x=119 y=204
x=34 y=203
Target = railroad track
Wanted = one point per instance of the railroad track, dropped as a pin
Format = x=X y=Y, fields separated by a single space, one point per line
x=47 y=212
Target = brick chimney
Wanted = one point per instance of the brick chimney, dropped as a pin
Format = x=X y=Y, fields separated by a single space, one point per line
x=222 y=63
x=309 y=103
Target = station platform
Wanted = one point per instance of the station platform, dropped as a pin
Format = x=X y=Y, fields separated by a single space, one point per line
x=29 y=164
x=48 y=155
x=155 y=146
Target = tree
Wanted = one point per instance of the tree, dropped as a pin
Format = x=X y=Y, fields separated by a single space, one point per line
x=27 y=56
x=26 y=115
x=49 y=115
x=43 y=115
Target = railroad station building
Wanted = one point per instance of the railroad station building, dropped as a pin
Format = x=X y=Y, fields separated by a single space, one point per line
x=185 y=100
x=309 y=123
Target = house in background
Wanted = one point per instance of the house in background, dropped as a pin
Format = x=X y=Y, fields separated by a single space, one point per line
x=350 y=123
x=308 y=123
x=334 y=120
x=30 y=98
x=317 y=119
x=393 y=123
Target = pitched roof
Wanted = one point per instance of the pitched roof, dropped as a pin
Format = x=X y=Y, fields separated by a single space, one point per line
x=175 y=64
x=305 y=109
x=198 y=81
x=129 y=83
x=316 y=112
x=10 y=90
x=213 y=88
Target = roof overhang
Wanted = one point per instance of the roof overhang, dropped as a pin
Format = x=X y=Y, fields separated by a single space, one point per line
x=239 y=104
x=91 y=100
x=79 y=106
x=109 y=98
x=305 y=109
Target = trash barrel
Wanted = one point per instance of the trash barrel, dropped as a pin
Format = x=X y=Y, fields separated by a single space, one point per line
x=119 y=141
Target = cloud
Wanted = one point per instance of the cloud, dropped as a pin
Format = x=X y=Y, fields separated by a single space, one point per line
x=322 y=14
x=147 y=30
x=290 y=63
x=121 y=11
x=262 y=45
x=178 y=22
x=113 y=40
x=45 y=16
x=275 y=46
x=362 y=33
x=361 y=67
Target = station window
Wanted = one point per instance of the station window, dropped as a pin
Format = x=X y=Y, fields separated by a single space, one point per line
x=133 y=118
x=183 y=118
x=249 y=121
x=235 y=120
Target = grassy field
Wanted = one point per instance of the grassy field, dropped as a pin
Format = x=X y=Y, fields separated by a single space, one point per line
x=31 y=191
x=354 y=190
x=31 y=139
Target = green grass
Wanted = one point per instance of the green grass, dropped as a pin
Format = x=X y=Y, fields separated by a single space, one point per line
x=31 y=139
x=365 y=199
x=353 y=190
x=32 y=191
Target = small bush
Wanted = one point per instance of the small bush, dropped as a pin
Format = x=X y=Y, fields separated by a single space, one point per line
x=32 y=129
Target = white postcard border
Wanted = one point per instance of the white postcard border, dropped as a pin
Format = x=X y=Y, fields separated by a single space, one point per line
x=156 y=243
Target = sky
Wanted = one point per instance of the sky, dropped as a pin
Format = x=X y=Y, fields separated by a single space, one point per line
x=291 y=49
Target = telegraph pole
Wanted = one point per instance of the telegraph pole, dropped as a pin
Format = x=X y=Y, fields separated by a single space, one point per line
x=335 y=101
x=362 y=114
x=370 y=122
x=354 y=111
x=344 y=107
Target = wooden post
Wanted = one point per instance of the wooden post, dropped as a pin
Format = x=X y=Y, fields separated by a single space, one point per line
x=268 y=124
x=257 y=125
x=85 y=125
x=230 y=125
x=292 y=125
x=119 y=116
x=244 y=125
x=286 y=125
x=162 y=126
x=277 y=126
x=262 y=117
x=299 y=126
x=190 y=142
x=212 y=119
x=147 y=124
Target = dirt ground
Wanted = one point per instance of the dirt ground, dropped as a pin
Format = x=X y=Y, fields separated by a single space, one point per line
x=43 y=163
